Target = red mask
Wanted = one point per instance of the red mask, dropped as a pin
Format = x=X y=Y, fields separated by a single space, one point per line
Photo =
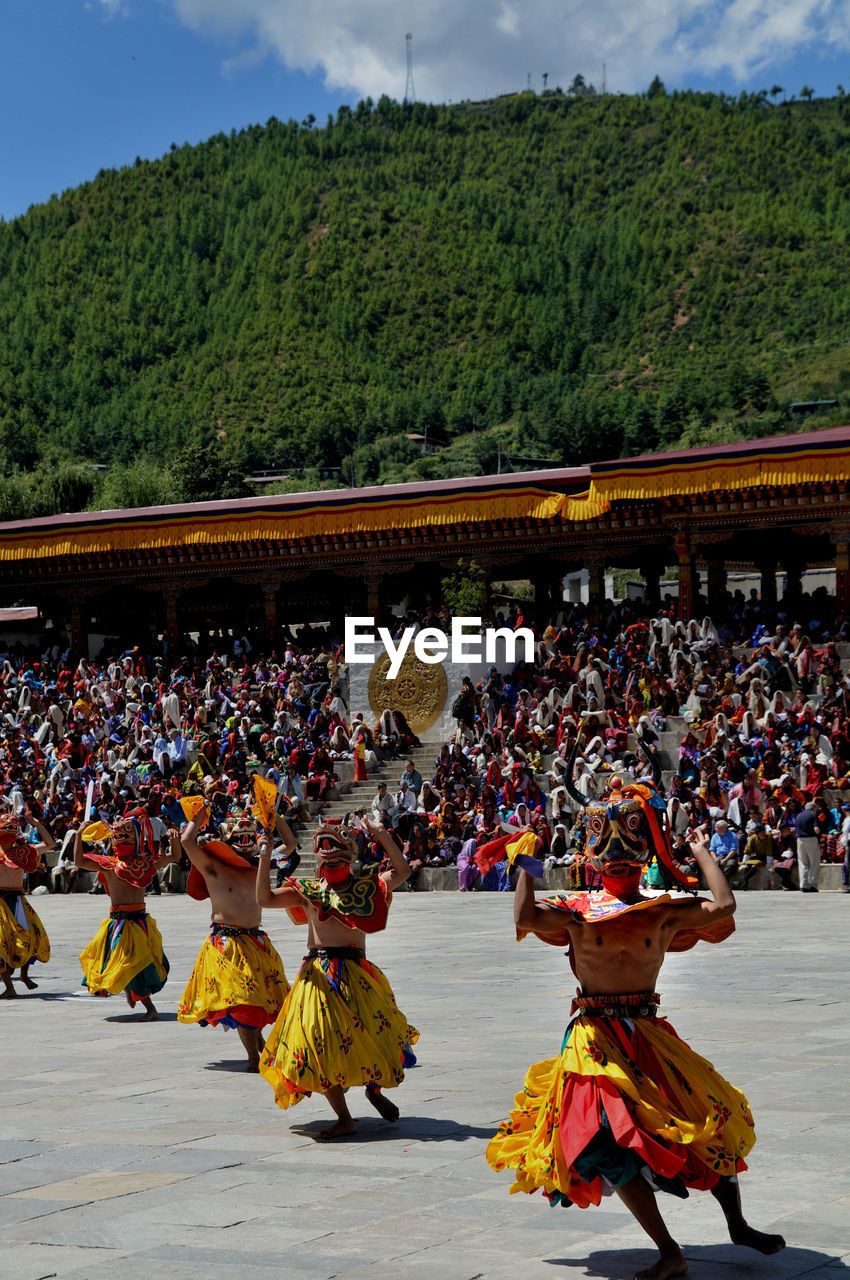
x=626 y=883
x=336 y=874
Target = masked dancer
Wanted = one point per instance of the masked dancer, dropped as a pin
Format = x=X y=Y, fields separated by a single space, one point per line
x=126 y=953
x=238 y=979
x=23 y=938
x=340 y=1026
x=628 y=1106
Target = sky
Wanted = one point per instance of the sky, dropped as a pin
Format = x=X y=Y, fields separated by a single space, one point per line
x=91 y=84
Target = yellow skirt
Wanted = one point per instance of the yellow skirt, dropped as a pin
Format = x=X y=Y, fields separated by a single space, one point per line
x=22 y=935
x=624 y=1098
x=340 y=1025
x=125 y=955
x=238 y=981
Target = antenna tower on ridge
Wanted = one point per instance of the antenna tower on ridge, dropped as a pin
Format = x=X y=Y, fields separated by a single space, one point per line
x=409 y=91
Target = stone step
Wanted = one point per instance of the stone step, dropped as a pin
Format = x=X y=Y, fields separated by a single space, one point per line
x=444 y=879
x=437 y=879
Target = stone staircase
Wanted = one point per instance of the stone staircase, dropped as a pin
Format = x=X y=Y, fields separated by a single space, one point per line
x=349 y=795
x=667 y=748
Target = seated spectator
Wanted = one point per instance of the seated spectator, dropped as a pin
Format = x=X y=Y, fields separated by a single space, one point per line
x=724 y=846
x=64 y=874
x=757 y=850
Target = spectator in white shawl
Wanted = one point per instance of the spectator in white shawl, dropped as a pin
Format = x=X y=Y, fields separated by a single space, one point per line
x=677 y=816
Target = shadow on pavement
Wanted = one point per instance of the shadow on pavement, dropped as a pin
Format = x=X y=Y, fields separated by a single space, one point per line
x=704 y=1263
x=405 y=1129
x=240 y=1067
x=138 y=1017
x=59 y=995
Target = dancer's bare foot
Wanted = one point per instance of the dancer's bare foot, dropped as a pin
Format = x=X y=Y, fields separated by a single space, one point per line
x=342 y=1129
x=131 y=1002
x=9 y=994
x=151 y=1015
x=253 y=1044
x=27 y=981
x=727 y=1193
x=383 y=1106
x=670 y=1263
x=761 y=1241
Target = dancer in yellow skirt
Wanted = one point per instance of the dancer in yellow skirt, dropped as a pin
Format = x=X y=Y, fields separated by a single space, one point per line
x=23 y=938
x=238 y=979
x=628 y=1106
x=126 y=953
x=340 y=1026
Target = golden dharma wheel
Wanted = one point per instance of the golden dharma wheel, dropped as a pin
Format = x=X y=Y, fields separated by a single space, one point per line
x=419 y=690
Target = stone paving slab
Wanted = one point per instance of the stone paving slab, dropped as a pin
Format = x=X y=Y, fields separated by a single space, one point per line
x=130 y=1150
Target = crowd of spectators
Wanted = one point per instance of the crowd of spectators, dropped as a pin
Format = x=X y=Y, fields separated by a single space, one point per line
x=759 y=704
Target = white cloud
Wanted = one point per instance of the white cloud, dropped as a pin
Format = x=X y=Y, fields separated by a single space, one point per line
x=479 y=48
x=508 y=21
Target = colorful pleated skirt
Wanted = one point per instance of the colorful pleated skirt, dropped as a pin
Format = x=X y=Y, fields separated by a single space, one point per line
x=23 y=937
x=125 y=954
x=238 y=981
x=340 y=1025
x=627 y=1097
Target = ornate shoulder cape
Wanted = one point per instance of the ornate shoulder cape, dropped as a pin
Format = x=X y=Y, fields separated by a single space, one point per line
x=20 y=855
x=361 y=904
x=138 y=871
x=597 y=908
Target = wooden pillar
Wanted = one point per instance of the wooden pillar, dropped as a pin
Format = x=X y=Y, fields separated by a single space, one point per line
x=372 y=582
x=541 y=593
x=687 y=577
x=172 y=626
x=715 y=584
x=270 y=589
x=767 y=569
x=556 y=587
x=841 y=540
x=651 y=572
x=548 y=589
x=596 y=581
x=793 y=567
x=79 y=640
x=432 y=584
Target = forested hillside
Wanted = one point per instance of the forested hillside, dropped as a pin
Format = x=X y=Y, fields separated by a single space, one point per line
x=561 y=277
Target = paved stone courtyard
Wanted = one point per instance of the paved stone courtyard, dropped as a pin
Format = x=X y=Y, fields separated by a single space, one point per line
x=130 y=1151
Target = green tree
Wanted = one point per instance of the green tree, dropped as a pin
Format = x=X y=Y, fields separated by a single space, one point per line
x=142 y=483
x=62 y=484
x=465 y=590
x=205 y=474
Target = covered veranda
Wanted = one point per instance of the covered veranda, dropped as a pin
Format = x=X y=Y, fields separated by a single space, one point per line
x=256 y=564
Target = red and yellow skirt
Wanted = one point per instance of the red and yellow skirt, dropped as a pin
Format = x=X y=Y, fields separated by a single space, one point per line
x=125 y=954
x=340 y=1025
x=22 y=935
x=626 y=1097
x=238 y=981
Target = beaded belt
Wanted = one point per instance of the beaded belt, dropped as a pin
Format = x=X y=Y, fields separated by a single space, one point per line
x=335 y=953
x=640 y=1004
x=230 y=931
x=117 y=913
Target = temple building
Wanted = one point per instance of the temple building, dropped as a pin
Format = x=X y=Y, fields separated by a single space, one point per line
x=777 y=504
